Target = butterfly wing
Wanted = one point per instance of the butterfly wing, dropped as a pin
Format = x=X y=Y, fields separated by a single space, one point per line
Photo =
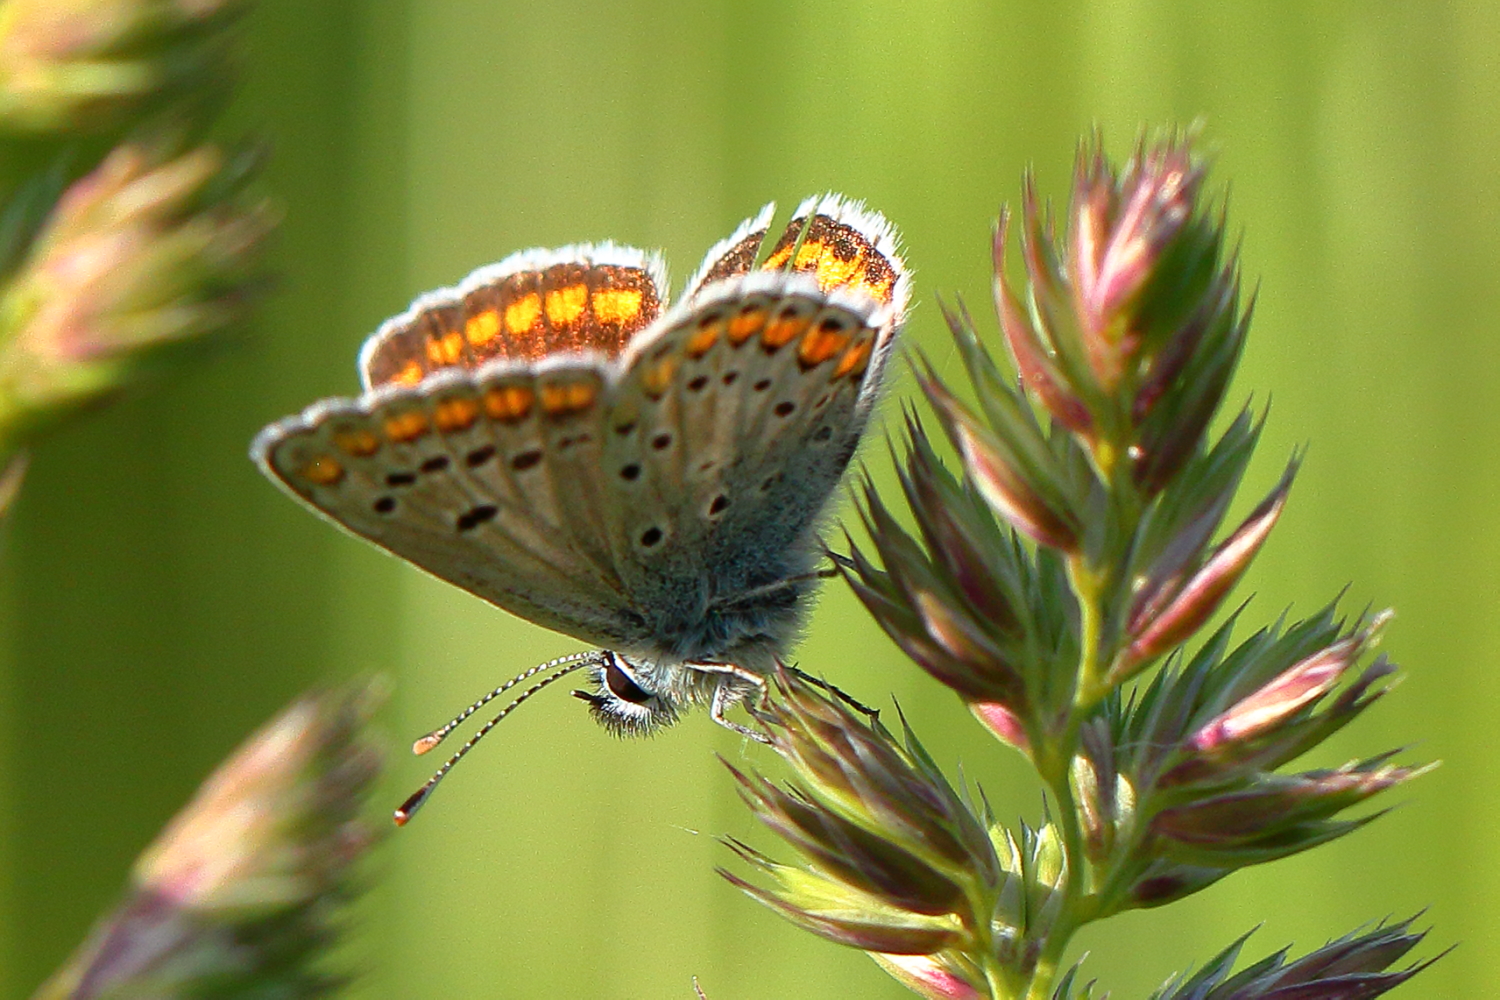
x=484 y=479
x=531 y=305
x=734 y=423
x=649 y=490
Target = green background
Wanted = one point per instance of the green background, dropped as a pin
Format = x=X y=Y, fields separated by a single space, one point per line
x=161 y=599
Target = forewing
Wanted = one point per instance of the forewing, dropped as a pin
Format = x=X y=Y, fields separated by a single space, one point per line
x=531 y=305
x=487 y=479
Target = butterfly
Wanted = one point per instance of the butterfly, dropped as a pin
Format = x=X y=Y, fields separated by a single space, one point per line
x=550 y=436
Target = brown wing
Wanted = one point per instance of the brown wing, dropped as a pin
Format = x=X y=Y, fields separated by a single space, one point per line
x=844 y=246
x=530 y=305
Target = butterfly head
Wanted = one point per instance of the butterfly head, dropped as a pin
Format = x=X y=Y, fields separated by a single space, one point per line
x=624 y=699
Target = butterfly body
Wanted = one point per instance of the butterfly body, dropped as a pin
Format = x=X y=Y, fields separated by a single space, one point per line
x=553 y=438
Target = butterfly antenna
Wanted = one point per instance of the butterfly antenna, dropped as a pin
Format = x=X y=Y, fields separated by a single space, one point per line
x=566 y=665
x=440 y=734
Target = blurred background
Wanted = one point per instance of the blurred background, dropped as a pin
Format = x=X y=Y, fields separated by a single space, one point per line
x=161 y=599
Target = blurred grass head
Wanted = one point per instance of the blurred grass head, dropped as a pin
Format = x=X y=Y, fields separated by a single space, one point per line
x=242 y=893
x=93 y=65
x=154 y=248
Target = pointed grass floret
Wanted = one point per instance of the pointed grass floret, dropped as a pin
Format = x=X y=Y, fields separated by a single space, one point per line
x=897 y=857
x=1062 y=564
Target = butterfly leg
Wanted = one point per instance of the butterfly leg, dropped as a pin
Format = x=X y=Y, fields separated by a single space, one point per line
x=730 y=690
x=723 y=698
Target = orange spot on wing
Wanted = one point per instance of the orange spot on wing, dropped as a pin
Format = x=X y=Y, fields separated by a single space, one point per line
x=562 y=398
x=323 y=470
x=658 y=377
x=522 y=314
x=453 y=347
x=782 y=331
x=855 y=360
x=835 y=273
x=809 y=255
x=565 y=305
x=617 y=305
x=357 y=443
x=707 y=335
x=482 y=328
x=508 y=403
x=777 y=260
x=410 y=374
x=408 y=426
x=849 y=262
x=456 y=414
x=746 y=325
x=878 y=289
x=822 y=342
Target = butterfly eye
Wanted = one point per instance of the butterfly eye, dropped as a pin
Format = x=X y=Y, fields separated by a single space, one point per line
x=621 y=704
x=622 y=685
